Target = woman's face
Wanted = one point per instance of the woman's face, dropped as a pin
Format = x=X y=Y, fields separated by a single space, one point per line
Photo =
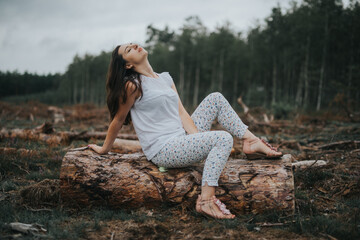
x=133 y=54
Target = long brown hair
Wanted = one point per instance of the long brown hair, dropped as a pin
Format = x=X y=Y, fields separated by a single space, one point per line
x=117 y=77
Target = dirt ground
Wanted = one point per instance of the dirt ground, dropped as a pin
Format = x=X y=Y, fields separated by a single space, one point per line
x=327 y=197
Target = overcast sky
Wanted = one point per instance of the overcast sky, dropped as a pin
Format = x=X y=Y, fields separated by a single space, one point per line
x=43 y=36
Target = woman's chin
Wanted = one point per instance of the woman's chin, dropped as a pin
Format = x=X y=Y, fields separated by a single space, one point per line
x=144 y=57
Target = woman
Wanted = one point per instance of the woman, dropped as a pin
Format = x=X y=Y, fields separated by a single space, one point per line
x=168 y=135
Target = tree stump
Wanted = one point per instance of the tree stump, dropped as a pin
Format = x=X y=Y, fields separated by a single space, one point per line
x=130 y=180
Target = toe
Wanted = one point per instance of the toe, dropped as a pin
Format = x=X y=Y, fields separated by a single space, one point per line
x=231 y=216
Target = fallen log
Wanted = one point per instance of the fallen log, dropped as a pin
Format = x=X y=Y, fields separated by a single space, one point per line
x=21 y=151
x=35 y=135
x=46 y=133
x=130 y=180
x=246 y=111
x=27 y=228
x=97 y=135
x=58 y=114
x=126 y=146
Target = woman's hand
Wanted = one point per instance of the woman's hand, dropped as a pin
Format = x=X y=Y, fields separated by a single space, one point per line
x=97 y=149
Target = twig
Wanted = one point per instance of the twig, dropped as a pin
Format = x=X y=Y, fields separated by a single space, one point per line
x=21 y=168
x=37 y=210
x=354 y=151
x=328 y=236
x=270 y=224
x=246 y=111
x=311 y=165
x=250 y=220
x=112 y=236
x=340 y=143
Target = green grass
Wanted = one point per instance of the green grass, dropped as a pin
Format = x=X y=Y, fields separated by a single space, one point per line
x=41 y=175
x=21 y=123
x=327 y=225
x=8 y=185
x=103 y=214
x=58 y=223
x=44 y=164
x=312 y=176
x=7 y=213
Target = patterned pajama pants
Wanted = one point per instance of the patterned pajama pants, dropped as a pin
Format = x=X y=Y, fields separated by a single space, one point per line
x=215 y=146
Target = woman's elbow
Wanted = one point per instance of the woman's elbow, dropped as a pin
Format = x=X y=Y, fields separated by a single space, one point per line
x=119 y=119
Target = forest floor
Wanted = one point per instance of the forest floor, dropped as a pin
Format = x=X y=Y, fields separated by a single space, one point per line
x=327 y=197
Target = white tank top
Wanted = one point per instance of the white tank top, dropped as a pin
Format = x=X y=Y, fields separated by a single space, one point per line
x=155 y=116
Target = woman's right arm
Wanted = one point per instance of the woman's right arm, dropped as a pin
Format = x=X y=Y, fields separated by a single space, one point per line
x=118 y=121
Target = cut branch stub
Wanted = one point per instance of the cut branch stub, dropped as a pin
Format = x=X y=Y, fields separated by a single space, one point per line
x=130 y=180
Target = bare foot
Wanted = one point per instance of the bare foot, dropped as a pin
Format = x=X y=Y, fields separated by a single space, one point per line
x=210 y=208
x=257 y=147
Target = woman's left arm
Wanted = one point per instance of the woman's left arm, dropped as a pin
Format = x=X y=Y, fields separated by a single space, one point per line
x=186 y=120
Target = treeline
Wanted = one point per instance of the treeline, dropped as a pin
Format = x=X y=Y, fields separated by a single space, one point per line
x=15 y=83
x=303 y=57
x=85 y=78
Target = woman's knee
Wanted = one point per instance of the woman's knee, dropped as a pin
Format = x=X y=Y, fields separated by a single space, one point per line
x=227 y=138
x=216 y=95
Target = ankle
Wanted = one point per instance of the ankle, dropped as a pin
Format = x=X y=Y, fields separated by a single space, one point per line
x=250 y=141
x=249 y=136
x=207 y=191
x=206 y=196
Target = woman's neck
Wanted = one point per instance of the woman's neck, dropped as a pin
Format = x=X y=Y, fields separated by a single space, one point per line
x=146 y=69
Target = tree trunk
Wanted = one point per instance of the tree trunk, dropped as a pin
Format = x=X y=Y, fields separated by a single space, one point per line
x=349 y=90
x=221 y=71
x=236 y=79
x=299 y=89
x=250 y=75
x=188 y=85
x=306 y=74
x=196 y=87
x=213 y=75
x=182 y=78
x=75 y=93
x=322 y=71
x=82 y=87
x=274 y=77
x=130 y=180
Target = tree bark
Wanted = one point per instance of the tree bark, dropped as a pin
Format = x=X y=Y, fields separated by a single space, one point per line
x=130 y=180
